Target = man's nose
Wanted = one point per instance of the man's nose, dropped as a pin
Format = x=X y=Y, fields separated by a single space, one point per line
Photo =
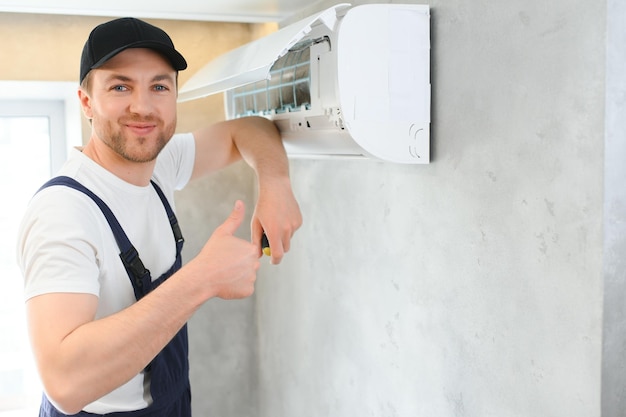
x=141 y=102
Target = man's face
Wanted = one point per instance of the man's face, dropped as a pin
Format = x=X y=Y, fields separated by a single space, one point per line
x=132 y=103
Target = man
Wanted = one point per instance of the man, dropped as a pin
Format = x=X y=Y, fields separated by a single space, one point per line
x=99 y=247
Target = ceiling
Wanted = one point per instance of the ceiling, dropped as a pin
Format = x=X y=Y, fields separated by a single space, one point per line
x=210 y=10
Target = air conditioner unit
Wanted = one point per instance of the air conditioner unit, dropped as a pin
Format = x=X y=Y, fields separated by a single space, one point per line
x=345 y=82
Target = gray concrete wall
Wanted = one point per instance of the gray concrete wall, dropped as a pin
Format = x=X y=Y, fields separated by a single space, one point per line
x=472 y=286
x=222 y=334
x=488 y=283
x=614 y=346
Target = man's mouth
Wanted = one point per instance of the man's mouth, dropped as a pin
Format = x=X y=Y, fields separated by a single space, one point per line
x=141 y=128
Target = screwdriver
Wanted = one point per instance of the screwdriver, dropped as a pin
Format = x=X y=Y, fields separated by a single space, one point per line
x=265 y=245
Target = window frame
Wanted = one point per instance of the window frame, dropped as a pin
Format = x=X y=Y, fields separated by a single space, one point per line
x=65 y=92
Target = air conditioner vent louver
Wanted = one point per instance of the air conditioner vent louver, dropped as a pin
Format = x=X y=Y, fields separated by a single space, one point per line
x=287 y=90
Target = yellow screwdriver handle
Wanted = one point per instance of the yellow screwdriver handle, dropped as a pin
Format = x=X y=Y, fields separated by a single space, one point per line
x=265 y=245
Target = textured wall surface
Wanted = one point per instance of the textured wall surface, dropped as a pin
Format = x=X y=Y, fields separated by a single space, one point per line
x=471 y=286
x=222 y=334
x=614 y=346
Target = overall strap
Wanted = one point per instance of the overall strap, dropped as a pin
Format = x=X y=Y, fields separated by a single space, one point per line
x=178 y=235
x=137 y=273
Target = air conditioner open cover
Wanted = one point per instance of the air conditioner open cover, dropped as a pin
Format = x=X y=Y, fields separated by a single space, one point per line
x=369 y=83
x=251 y=62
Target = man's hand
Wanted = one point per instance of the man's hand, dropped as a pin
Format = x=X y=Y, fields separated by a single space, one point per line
x=228 y=264
x=277 y=214
x=258 y=142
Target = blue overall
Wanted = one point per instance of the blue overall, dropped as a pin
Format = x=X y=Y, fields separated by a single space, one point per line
x=169 y=370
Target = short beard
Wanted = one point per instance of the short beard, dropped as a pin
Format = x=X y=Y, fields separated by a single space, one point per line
x=119 y=144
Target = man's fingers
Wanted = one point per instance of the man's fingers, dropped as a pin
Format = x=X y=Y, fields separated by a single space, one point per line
x=232 y=223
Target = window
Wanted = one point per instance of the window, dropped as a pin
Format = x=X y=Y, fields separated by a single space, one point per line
x=36 y=120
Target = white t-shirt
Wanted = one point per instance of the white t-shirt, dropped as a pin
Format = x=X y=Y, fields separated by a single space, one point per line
x=66 y=245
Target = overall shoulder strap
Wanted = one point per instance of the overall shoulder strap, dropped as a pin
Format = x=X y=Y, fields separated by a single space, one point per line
x=178 y=235
x=138 y=274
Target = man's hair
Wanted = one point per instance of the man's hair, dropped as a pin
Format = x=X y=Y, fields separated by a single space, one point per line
x=85 y=84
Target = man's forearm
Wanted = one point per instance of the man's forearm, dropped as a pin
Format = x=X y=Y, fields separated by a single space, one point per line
x=260 y=145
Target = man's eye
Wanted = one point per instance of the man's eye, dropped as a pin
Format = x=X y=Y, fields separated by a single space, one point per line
x=119 y=88
x=160 y=88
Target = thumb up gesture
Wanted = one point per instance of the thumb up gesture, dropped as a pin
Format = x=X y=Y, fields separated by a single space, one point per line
x=227 y=264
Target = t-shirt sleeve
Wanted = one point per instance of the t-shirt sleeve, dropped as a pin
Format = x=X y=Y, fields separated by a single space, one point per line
x=56 y=250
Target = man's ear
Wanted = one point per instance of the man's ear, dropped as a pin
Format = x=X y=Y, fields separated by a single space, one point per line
x=85 y=103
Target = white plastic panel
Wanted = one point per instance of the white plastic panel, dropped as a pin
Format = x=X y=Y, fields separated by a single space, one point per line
x=251 y=62
x=383 y=77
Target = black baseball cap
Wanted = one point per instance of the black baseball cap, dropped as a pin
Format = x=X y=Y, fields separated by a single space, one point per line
x=110 y=38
